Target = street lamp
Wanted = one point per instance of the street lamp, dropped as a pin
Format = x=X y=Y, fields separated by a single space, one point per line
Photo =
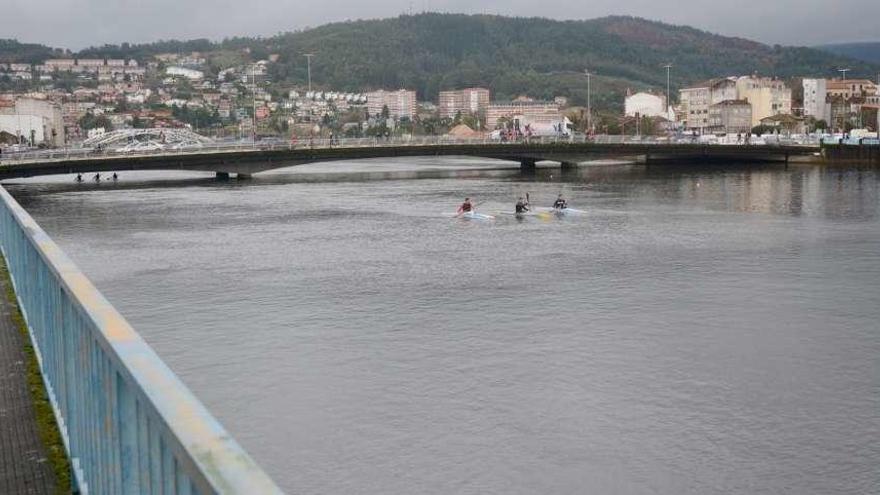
x=309 y=65
x=845 y=108
x=589 y=107
x=667 y=67
x=254 y=80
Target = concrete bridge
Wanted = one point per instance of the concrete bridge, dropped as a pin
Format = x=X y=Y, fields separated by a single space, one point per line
x=247 y=159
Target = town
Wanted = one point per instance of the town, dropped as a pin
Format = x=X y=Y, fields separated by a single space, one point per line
x=70 y=100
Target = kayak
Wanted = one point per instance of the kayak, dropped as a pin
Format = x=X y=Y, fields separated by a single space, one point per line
x=522 y=214
x=472 y=215
x=564 y=211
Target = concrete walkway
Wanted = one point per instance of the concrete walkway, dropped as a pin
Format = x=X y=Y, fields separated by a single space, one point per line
x=24 y=467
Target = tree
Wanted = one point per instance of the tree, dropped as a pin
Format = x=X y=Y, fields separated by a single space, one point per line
x=90 y=121
x=761 y=129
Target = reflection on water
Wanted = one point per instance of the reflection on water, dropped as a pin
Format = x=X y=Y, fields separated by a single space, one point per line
x=697 y=331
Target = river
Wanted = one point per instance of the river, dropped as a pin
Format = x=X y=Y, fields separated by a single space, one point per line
x=705 y=331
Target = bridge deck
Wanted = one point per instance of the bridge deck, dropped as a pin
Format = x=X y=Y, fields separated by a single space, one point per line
x=24 y=466
x=249 y=160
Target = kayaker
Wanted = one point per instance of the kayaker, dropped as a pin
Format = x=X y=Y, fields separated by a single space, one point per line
x=466 y=206
x=521 y=205
x=560 y=203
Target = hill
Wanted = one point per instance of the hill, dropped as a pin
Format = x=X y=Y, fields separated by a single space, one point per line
x=30 y=53
x=541 y=57
x=866 y=52
x=536 y=56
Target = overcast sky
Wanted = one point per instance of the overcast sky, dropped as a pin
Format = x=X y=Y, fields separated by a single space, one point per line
x=78 y=23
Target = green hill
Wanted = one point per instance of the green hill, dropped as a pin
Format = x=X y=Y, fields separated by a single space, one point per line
x=535 y=56
x=866 y=52
x=30 y=53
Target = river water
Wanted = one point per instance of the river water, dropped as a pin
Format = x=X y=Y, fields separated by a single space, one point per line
x=695 y=332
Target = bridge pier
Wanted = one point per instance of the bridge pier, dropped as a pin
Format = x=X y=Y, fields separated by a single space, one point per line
x=222 y=175
x=527 y=165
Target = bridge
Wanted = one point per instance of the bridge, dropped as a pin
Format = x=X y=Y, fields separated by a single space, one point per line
x=245 y=159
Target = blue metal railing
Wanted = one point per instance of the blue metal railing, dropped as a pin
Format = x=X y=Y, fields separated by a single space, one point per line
x=128 y=423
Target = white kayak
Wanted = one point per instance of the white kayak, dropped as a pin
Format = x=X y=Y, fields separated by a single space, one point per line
x=472 y=215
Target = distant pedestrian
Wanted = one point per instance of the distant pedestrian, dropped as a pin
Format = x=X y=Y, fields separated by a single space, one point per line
x=115 y=177
x=98 y=177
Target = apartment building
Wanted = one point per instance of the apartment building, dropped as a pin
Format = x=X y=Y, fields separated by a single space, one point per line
x=401 y=103
x=731 y=117
x=768 y=96
x=473 y=101
x=815 y=93
x=523 y=110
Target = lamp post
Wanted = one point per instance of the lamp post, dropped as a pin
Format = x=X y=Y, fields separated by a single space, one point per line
x=845 y=108
x=667 y=67
x=309 y=66
x=254 y=80
x=589 y=107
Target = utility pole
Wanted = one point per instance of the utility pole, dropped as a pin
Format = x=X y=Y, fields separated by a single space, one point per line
x=589 y=107
x=309 y=64
x=845 y=104
x=667 y=67
x=254 y=131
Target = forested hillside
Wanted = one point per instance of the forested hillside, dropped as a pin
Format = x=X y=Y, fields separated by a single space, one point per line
x=535 y=56
x=866 y=52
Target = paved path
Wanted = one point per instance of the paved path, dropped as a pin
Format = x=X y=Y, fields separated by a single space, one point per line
x=24 y=467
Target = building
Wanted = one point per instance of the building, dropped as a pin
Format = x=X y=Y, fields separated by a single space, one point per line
x=645 y=104
x=191 y=74
x=36 y=120
x=473 y=101
x=731 y=117
x=815 y=93
x=696 y=100
x=523 y=110
x=785 y=124
x=768 y=96
x=400 y=103
x=851 y=88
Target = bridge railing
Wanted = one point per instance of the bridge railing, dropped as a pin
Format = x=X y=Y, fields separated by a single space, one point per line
x=128 y=423
x=153 y=149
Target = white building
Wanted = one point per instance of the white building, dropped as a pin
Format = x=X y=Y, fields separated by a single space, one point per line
x=36 y=120
x=400 y=103
x=645 y=104
x=815 y=92
x=191 y=74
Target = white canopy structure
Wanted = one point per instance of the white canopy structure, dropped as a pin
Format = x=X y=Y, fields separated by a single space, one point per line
x=159 y=135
